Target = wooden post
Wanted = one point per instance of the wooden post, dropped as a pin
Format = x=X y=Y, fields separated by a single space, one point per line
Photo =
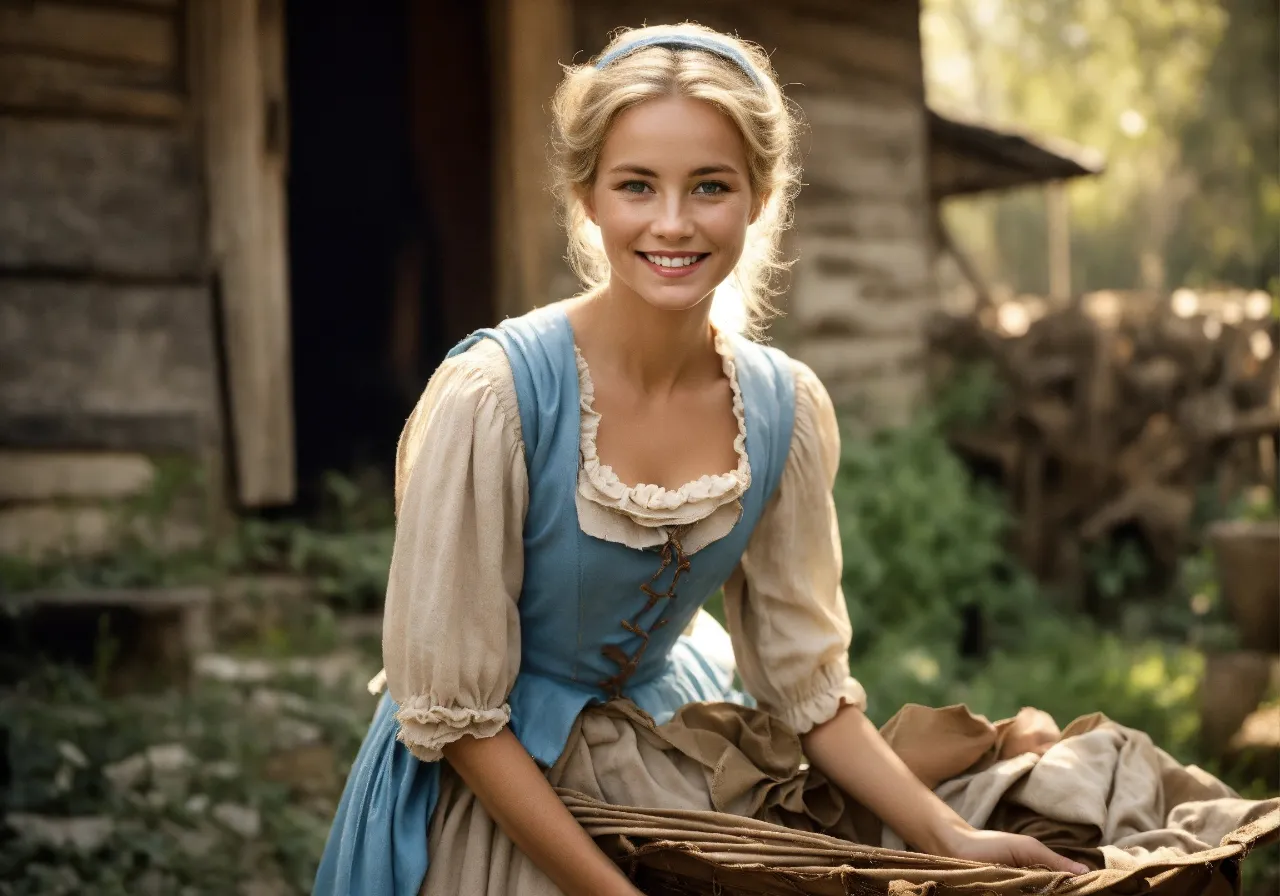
x=239 y=47
x=1057 y=215
x=530 y=39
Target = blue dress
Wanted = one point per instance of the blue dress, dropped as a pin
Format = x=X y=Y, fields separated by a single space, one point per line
x=598 y=620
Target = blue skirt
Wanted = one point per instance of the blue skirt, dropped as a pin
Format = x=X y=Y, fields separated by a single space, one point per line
x=378 y=843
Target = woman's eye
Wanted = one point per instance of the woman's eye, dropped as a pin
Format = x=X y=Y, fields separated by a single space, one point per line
x=710 y=188
x=635 y=186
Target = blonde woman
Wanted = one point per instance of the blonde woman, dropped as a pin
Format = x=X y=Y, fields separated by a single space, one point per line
x=575 y=483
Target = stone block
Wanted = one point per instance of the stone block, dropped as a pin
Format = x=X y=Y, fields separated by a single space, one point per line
x=44 y=476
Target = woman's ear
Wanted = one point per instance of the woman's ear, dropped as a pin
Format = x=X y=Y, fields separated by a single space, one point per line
x=583 y=192
x=757 y=207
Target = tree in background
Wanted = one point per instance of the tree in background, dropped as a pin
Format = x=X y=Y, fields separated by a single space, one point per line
x=1182 y=97
x=1231 y=228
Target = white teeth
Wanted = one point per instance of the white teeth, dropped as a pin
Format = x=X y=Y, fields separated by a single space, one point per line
x=666 y=262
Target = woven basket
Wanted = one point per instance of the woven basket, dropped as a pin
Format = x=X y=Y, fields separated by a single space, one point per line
x=681 y=853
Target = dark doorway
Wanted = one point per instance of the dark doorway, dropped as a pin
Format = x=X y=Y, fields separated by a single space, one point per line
x=390 y=233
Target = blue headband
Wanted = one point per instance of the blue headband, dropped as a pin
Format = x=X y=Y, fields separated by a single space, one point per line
x=685 y=42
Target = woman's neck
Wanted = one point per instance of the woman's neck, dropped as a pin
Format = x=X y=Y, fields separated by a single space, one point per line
x=651 y=348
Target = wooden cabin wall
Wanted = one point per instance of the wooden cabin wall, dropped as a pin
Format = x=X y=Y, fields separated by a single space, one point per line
x=863 y=283
x=107 y=358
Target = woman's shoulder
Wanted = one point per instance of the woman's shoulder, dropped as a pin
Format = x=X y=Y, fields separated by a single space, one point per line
x=808 y=388
x=484 y=361
x=477 y=375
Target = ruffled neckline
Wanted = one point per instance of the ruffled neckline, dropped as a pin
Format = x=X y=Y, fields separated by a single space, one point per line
x=652 y=505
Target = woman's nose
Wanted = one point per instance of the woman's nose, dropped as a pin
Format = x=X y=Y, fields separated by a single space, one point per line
x=673 y=221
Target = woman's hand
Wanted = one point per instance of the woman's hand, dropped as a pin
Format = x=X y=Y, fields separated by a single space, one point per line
x=999 y=848
x=851 y=753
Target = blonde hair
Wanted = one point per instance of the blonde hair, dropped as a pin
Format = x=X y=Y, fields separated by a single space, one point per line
x=589 y=99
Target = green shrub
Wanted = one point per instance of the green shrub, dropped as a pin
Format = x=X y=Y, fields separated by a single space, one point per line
x=924 y=547
x=922 y=542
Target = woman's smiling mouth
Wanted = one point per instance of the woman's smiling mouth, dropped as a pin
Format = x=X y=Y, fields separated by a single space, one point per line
x=673 y=265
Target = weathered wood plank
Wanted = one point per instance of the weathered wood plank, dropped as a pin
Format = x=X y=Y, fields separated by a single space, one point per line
x=905 y=265
x=842 y=357
x=159 y=432
x=135 y=4
x=108 y=34
x=35 y=83
x=858 y=151
x=91 y=197
x=835 y=174
x=839 y=306
x=874 y=219
x=822 y=53
x=44 y=476
x=45 y=531
x=74 y=348
x=859 y=286
x=533 y=39
x=897 y=18
x=856 y=120
x=239 y=52
x=39 y=531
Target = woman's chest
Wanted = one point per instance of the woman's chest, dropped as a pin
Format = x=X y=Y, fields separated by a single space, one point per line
x=667 y=442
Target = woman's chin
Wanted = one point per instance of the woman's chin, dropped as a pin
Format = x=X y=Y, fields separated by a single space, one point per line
x=674 y=296
x=674 y=303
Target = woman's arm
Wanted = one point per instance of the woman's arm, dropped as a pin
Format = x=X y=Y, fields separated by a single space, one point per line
x=451 y=633
x=852 y=754
x=511 y=787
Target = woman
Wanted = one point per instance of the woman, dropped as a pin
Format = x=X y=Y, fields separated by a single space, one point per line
x=574 y=484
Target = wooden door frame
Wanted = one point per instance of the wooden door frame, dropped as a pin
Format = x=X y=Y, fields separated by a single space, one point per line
x=239 y=92
x=529 y=38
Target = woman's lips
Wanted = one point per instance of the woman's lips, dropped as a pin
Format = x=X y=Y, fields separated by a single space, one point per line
x=682 y=271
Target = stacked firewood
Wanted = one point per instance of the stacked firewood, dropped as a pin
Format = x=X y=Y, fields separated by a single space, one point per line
x=1118 y=410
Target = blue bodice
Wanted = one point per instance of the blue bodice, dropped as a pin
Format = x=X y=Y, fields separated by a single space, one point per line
x=600 y=619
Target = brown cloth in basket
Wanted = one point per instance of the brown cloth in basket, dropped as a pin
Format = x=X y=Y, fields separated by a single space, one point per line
x=1103 y=795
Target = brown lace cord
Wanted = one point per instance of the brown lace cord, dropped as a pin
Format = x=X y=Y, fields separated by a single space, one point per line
x=672 y=552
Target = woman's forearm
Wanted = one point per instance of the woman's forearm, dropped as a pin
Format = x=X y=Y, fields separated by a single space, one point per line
x=851 y=753
x=510 y=786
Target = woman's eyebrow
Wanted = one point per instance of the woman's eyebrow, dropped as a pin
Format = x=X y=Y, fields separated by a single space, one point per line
x=697 y=172
x=633 y=169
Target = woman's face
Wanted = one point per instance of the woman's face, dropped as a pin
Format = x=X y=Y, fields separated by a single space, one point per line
x=672 y=200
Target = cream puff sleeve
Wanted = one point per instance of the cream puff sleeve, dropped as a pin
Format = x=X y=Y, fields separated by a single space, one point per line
x=451 y=630
x=784 y=605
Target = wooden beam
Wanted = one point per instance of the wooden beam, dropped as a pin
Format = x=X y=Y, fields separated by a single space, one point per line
x=1058 y=216
x=32 y=83
x=133 y=4
x=531 y=38
x=239 y=46
x=108 y=34
x=73 y=475
x=151 y=432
